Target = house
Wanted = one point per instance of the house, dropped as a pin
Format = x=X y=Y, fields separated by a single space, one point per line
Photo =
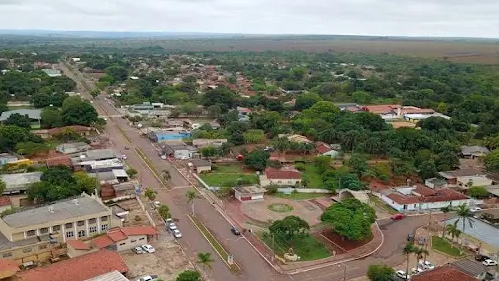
x=249 y=193
x=168 y=135
x=473 y=151
x=214 y=125
x=178 y=151
x=200 y=143
x=33 y=114
x=295 y=138
x=32 y=234
x=435 y=182
x=326 y=150
x=8 y=268
x=281 y=177
x=443 y=273
x=201 y=166
x=17 y=183
x=81 y=268
x=98 y=166
x=81 y=130
x=5 y=203
x=472 y=268
x=52 y=72
x=481 y=237
x=93 y=155
x=113 y=176
x=73 y=147
x=420 y=197
x=465 y=178
x=7 y=158
x=243 y=113
x=116 y=239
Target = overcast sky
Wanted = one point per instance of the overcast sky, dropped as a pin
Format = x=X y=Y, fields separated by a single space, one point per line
x=478 y=18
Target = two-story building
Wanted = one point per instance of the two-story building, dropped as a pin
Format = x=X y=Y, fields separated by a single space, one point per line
x=30 y=235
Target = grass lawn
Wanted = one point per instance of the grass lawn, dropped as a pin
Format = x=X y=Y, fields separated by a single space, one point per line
x=228 y=180
x=312 y=177
x=307 y=248
x=382 y=204
x=228 y=169
x=301 y=196
x=444 y=246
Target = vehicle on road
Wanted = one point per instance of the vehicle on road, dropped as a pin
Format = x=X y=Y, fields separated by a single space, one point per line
x=148 y=278
x=177 y=233
x=235 y=231
x=410 y=237
x=138 y=250
x=475 y=209
x=481 y=258
x=123 y=157
x=426 y=265
x=417 y=270
x=157 y=204
x=401 y=274
x=168 y=221
x=148 y=248
x=489 y=262
x=397 y=217
x=172 y=226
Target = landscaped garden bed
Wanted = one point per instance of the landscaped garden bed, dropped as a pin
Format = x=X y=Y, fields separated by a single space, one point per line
x=444 y=246
x=342 y=245
x=307 y=247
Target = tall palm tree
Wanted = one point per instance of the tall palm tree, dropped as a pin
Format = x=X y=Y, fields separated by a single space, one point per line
x=205 y=260
x=418 y=252
x=465 y=216
x=408 y=250
x=191 y=196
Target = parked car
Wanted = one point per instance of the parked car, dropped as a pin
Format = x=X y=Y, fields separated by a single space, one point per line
x=397 y=217
x=235 y=231
x=410 y=237
x=138 y=250
x=123 y=157
x=416 y=270
x=148 y=278
x=475 y=209
x=172 y=226
x=148 y=248
x=184 y=158
x=177 y=233
x=489 y=262
x=401 y=274
x=426 y=265
x=168 y=221
x=157 y=204
x=481 y=258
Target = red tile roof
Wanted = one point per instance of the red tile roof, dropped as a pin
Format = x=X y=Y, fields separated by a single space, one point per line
x=443 y=273
x=102 y=241
x=377 y=186
x=380 y=109
x=78 y=269
x=139 y=230
x=78 y=245
x=323 y=148
x=272 y=173
x=438 y=195
x=5 y=201
x=118 y=234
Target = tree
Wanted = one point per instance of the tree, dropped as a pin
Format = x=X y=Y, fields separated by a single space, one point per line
x=58 y=175
x=51 y=118
x=465 y=216
x=350 y=218
x=164 y=211
x=419 y=252
x=453 y=230
x=208 y=151
x=257 y=159
x=427 y=169
x=191 y=195
x=31 y=148
x=380 y=272
x=150 y=194
x=18 y=120
x=78 y=112
x=491 y=160
x=2 y=186
x=205 y=260
x=323 y=163
x=118 y=73
x=11 y=135
x=165 y=174
x=214 y=111
x=478 y=192
x=408 y=250
x=254 y=136
x=132 y=172
x=85 y=183
x=289 y=228
x=189 y=275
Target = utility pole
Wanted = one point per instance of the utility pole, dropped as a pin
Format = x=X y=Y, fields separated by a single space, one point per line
x=344 y=272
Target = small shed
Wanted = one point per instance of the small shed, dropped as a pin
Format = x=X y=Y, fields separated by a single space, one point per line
x=249 y=193
x=201 y=165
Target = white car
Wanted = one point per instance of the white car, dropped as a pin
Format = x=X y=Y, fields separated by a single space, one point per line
x=177 y=233
x=489 y=262
x=148 y=248
x=426 y=265
x=148 y=278
x=184 y=158
x=168 y=221
x=401 y=274
x=475 y=209
x=138 y=250
x=157 y=204
x=416 y=270
x=123 y=157
x=172 y=226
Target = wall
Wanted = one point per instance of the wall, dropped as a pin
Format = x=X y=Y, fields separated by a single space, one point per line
x=203 y=169
x=264 y=181
x=131 y=242
x=303 y=190
x=425 y=206
x=40 y=251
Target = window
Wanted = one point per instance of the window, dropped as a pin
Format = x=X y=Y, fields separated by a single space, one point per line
x=69 y=225
x=69 y=234
x=93 y=229
x=81 y=233
x=141 y=238
x=103 y=219
x=92 y=221
x=41 y=247
x=6 y=255
x=80 y=223
x=27 y=250
x=279 y=181
x=44 y=230
x=103 y=227
x=56 y=228
x=121 y=244
x=30 y=233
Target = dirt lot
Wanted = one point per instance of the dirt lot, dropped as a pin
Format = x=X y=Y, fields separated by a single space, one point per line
x=136 y=216
x=342 y=245
x=167 y=262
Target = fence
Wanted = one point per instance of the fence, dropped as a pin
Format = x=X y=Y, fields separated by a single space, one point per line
x=303 y=190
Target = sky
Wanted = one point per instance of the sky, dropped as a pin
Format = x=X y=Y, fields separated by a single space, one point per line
x=440 y=18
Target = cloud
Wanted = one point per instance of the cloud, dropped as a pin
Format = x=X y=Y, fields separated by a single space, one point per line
x=371 y=17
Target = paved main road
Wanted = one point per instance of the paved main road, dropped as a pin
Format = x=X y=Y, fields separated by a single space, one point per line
x=253 y=266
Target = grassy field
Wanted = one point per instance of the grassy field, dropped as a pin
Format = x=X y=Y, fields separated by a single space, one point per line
x=228 y=180
x=444 y=246
x=307 y=248
x=301 y=196
x=312 y=177
x=228 y=168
